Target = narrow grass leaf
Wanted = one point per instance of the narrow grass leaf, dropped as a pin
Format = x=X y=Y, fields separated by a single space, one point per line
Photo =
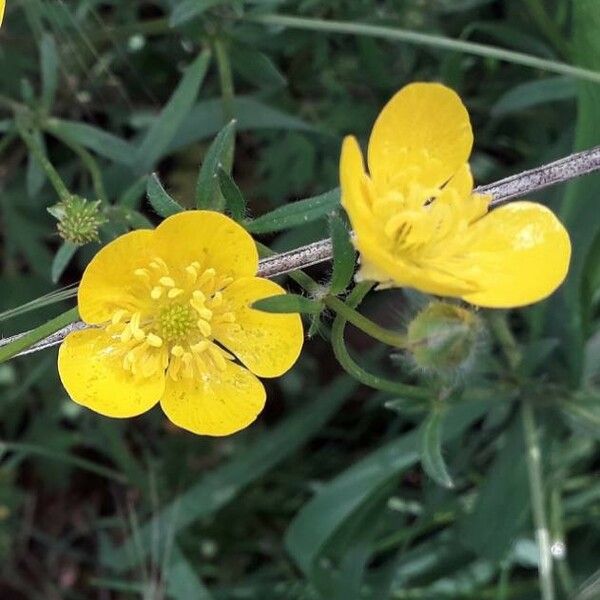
x=161 y=201
x=431 y=449
x=288 y=303
x=218 y=155
x=235 y=204
x=93 y=138
x=255 y=67
x=222 y=485
x=190 y=9
x=49 y=64
x=162 y=131
x=344 y=255
x=296 y=213
x=62 y=259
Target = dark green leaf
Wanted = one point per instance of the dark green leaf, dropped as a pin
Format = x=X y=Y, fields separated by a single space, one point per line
x=288 y=303
x=36 y=176
x=255 y=67
x=218 y=155
x=161 y=202
x=99 y=141
x=344 y=255
x=62 y=259
x=431 y=450
x=186 y=10
x=49 y=63
x=296 y=213
x=162 y=131
x=235 y=204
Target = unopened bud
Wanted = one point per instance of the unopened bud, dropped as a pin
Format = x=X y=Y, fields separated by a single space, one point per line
x=78 y=220
x=443 y=338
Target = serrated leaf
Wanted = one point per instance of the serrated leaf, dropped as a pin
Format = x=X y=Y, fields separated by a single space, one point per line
x=344 y=255
x=61 y=260
x=296 y=213
x=161 y=202
x=288 y=303
x=219 y=154
x=235 y=204
x=157 y=140
x=431 y=449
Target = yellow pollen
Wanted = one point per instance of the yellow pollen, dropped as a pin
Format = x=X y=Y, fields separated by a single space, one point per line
x=204 y=327
x=156 y=292
x=177 y=351
x=154 y=340
x=174 y=292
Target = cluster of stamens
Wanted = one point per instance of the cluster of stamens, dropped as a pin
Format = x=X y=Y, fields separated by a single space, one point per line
x=171 y=327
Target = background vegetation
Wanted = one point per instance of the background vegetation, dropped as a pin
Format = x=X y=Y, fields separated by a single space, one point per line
x=325 y=496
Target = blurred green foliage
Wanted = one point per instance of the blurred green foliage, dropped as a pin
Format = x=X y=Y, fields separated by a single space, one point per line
x=347 y=487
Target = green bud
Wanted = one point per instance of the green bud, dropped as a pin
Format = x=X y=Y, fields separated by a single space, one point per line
x=78 y=220
x=443 y=338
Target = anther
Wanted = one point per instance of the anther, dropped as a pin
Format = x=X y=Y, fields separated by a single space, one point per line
x=207 y=276
x=204 y=327
x=156 y=292
x=200 y=346
x=177 y=351
x=118 y=316
x=217 y=356
x=174 y=292
x=167 y=282
x=154 y=340
x=143 y=274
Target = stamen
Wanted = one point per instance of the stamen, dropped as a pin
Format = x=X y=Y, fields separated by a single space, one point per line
x=217 y=357
x=204 y=327
x=154 y=340
x=207 y=276
x=167 y=282
x=174 y=292
x=177 y=351
x=143 y=274
x=156 y=292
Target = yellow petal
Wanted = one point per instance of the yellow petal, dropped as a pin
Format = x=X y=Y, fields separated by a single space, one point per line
x=107 y=280
x=268 y=344
x=423 y=129
x=521 y=253
x=214 y=240
x=2 y=6
x=220 y=404
x=93 y=376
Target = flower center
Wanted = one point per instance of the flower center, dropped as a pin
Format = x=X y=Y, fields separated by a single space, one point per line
x=174 y=322
x=171 y=327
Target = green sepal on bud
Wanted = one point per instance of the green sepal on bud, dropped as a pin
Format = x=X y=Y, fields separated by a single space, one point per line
x=78 y=220
x=443 y=338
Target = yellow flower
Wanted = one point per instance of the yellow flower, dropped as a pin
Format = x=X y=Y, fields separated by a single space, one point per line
x=172 y=313
x=2 y=6
x=418 y=224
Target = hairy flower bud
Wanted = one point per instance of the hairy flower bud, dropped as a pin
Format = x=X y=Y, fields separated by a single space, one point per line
x=443 y=338
x=78 y=220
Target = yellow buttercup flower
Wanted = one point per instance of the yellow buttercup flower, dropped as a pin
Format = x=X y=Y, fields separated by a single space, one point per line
x=171 y=310
x=417 y=222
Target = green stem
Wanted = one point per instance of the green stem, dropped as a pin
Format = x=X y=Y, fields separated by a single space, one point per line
x=425 y=39
x=558 y=535
x=510 y=348
x=39 y=333
x=225 y=78
x=352 y=368
x=391 y=338
x=52 y=174
x=536 y=488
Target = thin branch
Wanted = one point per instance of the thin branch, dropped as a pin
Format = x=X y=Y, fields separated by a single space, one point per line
x=502 y=191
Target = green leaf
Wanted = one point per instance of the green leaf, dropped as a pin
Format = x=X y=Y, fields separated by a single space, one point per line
x=204 y=120
x=97 y=140
x=288 y=303
x=296 y=213
x=336 y=502
x=431 y=449
x=344 y=255
x=255 y=67
x=36 y=176
x=49 y=63
x=218 y=488
x=160 y=200
x=218 y=155
x=187 y=10
x=183 y=583
x=62 y=259
x=162 y=131
x=497 y=516
x=235 y=204
x=534 y=93
x=27 y=340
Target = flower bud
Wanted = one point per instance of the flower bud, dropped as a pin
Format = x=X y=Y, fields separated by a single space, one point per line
x=443 y=338
x=78 y=220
